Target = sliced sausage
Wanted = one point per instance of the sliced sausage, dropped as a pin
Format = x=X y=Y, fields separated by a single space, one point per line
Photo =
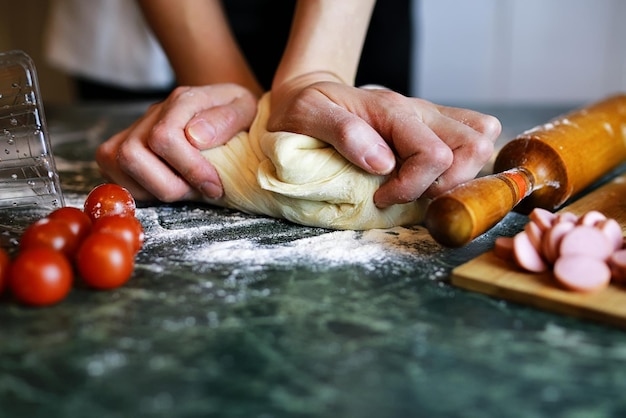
x=526 y=255
x=535 y=234
x=567 y=217
x=552 y=240
x=591 y=218
x=611 y=228
x=542 y=217
x=586 y=241
x=617 y=264
x=585 y=252
x=582 y=273
x=503 y=248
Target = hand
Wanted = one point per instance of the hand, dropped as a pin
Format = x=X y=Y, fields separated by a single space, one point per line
x=159 y=155
x=426 y=148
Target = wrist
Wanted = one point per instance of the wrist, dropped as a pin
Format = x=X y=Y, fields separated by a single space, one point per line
x=288 y=86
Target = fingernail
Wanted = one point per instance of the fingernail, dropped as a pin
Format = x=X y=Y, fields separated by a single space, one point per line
x=212 y=190
x=380 y=159
x=201 y=132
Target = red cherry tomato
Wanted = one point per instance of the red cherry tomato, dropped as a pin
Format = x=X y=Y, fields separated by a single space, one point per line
x=126 y=227
x=5 y=263
x=78 y=221
x=109 y=199
x=40 y=276
x=104 y=261
x=49 y=233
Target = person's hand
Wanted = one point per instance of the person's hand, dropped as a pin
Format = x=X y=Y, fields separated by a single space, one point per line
x=158 y=157
x=427 y=149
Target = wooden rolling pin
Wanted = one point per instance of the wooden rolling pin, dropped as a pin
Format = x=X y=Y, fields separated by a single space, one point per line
x=543 y=166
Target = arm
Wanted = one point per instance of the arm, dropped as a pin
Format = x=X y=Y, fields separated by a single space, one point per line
x=324 y=47
x=198 y=41
x=426 y=149
x=326 y=39
x=158 y=156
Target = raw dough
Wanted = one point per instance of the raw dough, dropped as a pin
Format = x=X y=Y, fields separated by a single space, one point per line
x=301 y=179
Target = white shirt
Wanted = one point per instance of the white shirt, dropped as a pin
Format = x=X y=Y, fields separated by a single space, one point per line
x=107 y=41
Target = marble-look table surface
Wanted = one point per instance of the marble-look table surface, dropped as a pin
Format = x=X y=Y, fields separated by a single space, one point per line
x=231 y=315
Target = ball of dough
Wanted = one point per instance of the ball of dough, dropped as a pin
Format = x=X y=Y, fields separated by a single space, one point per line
x=301 y=179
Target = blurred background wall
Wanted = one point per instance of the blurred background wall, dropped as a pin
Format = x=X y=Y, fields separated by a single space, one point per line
x=520 y=50
x=467 y=51
x=21 y=27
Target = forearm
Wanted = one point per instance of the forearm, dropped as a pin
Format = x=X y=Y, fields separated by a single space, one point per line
x=326 y=38
x=198 y=42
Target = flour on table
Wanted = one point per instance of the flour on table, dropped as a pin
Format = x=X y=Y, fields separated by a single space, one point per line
x=213 y=237
x=368 y=248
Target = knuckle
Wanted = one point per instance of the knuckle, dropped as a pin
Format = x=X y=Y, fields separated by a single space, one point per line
x=104 y=153
x=389 y=96
x=307 y=100
x=491 y=127
x=161 y=139
x=480 y=149
x=125 y=155
x=228 y=115
x=347 y=129
x=441 y=156
x=484 y=149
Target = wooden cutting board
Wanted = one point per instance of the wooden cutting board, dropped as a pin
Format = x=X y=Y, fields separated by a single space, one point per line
x=499 y=278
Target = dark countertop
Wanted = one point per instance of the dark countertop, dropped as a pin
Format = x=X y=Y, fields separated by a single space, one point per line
x=230 y=315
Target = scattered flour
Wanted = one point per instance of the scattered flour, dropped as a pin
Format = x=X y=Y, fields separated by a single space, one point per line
x=214 y=236
x=260 y=241
x=333 y=248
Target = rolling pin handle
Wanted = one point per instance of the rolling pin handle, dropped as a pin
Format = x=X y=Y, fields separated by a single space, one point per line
x=470 y=209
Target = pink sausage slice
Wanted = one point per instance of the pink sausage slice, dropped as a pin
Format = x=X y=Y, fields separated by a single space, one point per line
x=591 y=218
x=552 y=240
x=582 y=273
x=535 y=234
x=542 y=217
x=503 y=248
x=587 y=241
x=611 y=228
x=567 y=217
x=526 y=255
x=617 y=264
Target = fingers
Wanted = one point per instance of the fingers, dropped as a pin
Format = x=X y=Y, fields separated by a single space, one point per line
x=127 y=160
x=427 y=149
x=217 y=125
x=159 y=156
x=356 y=140
x=185 y=164
x=437 y=147
x=433 y=148
x=319 y=114
x=471 y=137
x=423 y=158
x=485 y=124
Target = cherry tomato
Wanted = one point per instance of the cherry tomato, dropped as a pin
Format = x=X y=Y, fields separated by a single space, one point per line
x=5 y=263
x=51 y=233
x=105 y=261
x=40 y=276
x=78 y=221
x=126 y=227
x=109 y=199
